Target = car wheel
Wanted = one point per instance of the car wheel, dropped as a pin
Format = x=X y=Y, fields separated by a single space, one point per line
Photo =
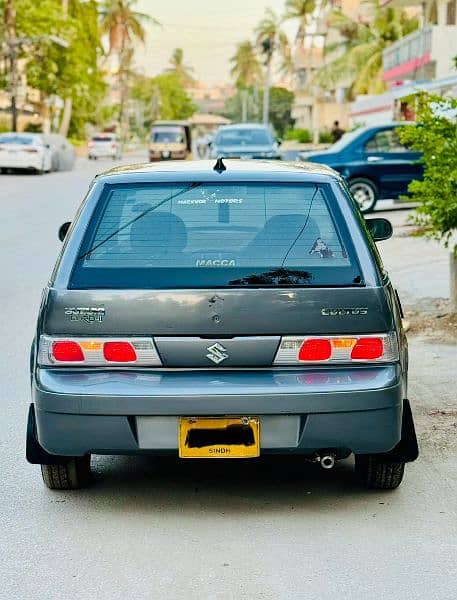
x=71 y=475
x=364 y=192
x=377 y=473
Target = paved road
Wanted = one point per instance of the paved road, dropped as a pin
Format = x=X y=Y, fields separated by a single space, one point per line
x=167 y=530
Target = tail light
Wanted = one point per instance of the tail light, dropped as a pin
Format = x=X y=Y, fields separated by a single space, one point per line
x=66 y=351
x=97 y=352
x=295 y=350
x=31 y=150
x=119 y=352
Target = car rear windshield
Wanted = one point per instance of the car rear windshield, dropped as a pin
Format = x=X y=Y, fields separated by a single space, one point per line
x=200 y=235
x=244 y=137
x=21 y=140
x=167 y=136
x=103 y=138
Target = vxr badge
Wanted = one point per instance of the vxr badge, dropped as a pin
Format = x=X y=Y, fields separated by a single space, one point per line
x=217 y=353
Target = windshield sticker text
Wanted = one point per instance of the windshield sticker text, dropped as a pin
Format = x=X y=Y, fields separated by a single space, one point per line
x=343 y=312
x=216 y=262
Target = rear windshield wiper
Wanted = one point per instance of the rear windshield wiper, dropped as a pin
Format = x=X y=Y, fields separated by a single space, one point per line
x=192 y=186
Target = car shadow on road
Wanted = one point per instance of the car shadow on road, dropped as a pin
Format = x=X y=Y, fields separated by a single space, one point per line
x=143 y=484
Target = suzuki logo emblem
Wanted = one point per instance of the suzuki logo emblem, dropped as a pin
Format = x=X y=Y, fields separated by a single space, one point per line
x=217 y=353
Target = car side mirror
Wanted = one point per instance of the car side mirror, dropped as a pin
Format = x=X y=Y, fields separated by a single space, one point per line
x=279 y=141
x=380 y=229
x=63 y=230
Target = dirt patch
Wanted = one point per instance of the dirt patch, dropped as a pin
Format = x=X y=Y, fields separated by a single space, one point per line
x=433 y=319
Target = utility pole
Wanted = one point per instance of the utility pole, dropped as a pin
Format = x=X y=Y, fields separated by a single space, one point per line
x=11 y=44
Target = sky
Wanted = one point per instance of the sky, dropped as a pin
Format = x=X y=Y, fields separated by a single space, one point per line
x=207 y=30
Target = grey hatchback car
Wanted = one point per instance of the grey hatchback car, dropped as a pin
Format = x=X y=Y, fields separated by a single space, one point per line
x=220 y=310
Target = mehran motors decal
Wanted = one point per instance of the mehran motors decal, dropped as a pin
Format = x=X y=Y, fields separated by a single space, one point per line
x=344 y=312
x=86 y=314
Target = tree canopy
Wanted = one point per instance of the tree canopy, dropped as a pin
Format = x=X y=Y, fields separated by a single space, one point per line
x=359 y=53
x=435 y=135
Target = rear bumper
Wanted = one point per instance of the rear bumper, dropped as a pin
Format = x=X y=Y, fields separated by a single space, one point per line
x=35 y=163
x=102 y=152
x=301 y=411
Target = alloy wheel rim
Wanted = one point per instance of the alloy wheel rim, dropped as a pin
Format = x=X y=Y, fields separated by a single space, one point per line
x=363 y=195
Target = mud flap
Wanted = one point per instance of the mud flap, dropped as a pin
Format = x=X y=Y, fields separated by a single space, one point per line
x=35 y=454
x=407 y=449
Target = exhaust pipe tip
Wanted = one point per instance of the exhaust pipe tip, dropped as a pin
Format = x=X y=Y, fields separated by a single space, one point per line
x=327 y=461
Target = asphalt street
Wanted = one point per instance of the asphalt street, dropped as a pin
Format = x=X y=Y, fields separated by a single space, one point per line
x=164 y=529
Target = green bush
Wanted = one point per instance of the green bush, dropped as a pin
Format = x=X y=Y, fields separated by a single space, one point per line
x=33 y=128
x=5 y=125
x=299 y=135
x=435 y=135
x=325 y=137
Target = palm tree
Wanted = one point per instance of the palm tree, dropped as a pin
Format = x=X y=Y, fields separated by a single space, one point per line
x=361 y=48
x=271 y=40
x=122 y=24
x=246 y=69
x=299 y=10
x=182 y=70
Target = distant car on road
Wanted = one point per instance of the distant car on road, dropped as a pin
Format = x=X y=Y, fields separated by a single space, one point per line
x=104 y=145
x=373 y=161
x=25 y=151
x=170 y=140
x=220 y=309
x=245 y=140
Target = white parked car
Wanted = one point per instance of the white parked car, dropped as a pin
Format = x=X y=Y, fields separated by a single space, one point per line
x=25 y=151
x=104 y=145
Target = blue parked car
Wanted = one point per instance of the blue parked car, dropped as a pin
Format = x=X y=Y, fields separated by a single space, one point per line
x=245 y=140
x=373 y=161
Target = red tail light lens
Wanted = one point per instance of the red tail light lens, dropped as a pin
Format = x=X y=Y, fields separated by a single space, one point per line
x=315 y=349
x=31 y=150
x=67 y=351
x=119 y=352
x=368 y=349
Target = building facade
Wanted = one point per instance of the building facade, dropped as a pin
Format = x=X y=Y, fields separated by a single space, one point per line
x=428 y=53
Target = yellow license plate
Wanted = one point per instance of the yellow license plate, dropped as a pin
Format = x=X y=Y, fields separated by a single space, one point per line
x=214 y=437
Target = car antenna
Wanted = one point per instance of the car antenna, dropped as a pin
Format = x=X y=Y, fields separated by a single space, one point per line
x=219 y=166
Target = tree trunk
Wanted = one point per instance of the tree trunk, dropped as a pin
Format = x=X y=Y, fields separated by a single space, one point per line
x=453 y=279
x=10 y=22
x=66 y=117
x=266 y=93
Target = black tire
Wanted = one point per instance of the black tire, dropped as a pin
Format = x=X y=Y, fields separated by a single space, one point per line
x=377 y=473
x=71 y=475
x=365 y=193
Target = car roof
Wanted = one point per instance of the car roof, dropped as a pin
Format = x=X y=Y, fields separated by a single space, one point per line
x=382 y=126
x=21 y=134
x=244 y=126
x=193 y=170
